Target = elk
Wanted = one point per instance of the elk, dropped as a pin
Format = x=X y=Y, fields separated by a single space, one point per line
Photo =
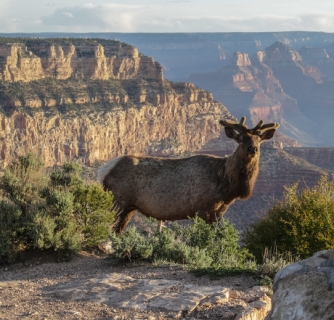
x=175 y=189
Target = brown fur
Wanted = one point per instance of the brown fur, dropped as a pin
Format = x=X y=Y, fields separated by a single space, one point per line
x=175 y=189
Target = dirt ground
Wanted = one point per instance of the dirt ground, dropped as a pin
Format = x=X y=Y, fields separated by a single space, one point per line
x=25 y=290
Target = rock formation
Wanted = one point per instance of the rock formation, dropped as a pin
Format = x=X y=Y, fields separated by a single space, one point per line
x=182 y=54
x=322 y=157
x=319 y=58
x=303 y=82
x=96 y=60
x=251 y=89
x=305 y=290
x=175 y=297
x=276 y=84
x=92 y=100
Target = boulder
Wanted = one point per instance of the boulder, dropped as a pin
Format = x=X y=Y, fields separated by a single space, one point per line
x=305 y=290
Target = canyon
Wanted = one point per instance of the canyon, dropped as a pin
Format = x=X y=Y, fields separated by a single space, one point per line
x=276 y=84
x=89 y=100
x=182 y=54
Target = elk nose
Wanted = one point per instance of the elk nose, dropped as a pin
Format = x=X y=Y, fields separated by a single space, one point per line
x=252 y=150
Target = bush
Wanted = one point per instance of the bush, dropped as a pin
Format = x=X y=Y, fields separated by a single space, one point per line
x=272 y=262
x=199 y=246
x=10 y=232
x=58 y=211
x=300 y=224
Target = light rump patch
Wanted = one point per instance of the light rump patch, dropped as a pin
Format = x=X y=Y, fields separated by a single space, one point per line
x=105 y=169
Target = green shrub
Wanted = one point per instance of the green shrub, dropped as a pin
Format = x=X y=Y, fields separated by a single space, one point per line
x=199 y=246
x=59 y=211
x=92 y=210
x=22 y=182
x=131 y=245
x=10 y=231
x=55 y=226
x=272 y=262
x=300 y=224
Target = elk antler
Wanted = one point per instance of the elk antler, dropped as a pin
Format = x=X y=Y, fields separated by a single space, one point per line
x=240 y=127
x=261 y=128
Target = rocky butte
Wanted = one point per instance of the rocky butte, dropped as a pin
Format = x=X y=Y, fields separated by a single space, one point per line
x=276 y=84
x=91 y=100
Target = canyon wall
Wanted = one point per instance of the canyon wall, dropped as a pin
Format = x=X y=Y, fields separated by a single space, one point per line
x=182 y=54
x=276 y=84
x=38 y=59
x=322 y=157
x=91 y=101
x=101 y=135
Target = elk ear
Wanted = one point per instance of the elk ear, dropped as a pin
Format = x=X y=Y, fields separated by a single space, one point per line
x=231 y=133
x=267 y=134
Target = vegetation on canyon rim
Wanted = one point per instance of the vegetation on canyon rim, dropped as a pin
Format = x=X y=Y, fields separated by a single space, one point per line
x=301 y=223
x=57 y=211
x=62 y=212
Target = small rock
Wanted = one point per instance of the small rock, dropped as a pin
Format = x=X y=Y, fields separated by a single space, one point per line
x=106 y=246
x=264 y=289
x=73 y=312
x=256 y=310
x=234 y=294
x=218 y=298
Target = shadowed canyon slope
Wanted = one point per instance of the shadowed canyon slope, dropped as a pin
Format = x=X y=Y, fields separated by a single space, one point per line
x=278 y=168
x=276 y=84
x=92 y=100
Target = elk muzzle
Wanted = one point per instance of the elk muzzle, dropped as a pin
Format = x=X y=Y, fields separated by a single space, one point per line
x=252 y=150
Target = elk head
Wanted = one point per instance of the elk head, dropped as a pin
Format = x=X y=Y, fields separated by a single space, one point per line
x=249 y=140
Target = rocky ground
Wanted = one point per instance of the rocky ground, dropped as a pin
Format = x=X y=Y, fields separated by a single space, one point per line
x=89 y=287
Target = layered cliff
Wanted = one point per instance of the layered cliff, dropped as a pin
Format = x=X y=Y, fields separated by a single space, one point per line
x=61 y=59
x=319 y=58
x=254 y=91
x=92 y=100
x=322 y=157
x=276 y=84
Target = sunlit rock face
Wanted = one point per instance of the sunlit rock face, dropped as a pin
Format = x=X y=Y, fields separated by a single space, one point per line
x=38 y=59
x=92 y=100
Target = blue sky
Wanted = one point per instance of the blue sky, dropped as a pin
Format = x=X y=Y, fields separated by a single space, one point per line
x=166 y=15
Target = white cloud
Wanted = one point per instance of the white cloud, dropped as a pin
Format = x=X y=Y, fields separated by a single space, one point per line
x=106 y=17
x=68 y=14
x=136 y=18
x=88 y=5
x=165 y=16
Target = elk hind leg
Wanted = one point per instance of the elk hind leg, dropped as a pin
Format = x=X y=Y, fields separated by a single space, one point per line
x=122 y=219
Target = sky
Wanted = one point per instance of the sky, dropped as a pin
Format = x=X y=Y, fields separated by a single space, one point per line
x=166 y=15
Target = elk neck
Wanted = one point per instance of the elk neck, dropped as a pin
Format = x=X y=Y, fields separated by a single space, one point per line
x=241 y=173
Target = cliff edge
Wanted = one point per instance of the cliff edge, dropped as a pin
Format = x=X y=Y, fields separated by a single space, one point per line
x=94 y=99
